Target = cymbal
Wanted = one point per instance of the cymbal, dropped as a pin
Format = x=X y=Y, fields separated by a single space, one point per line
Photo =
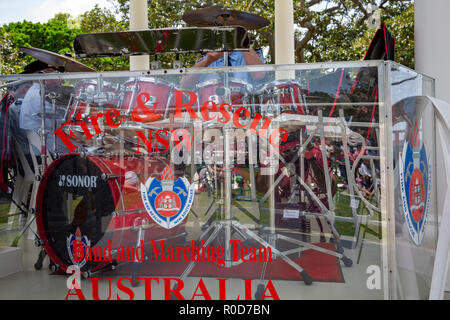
x=218 y=16
x=56 y=60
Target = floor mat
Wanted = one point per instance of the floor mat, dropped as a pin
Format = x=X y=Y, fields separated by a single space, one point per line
x=320 y=266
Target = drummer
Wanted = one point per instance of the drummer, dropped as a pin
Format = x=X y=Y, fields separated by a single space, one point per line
x=19 y=93
x=30 y=114
x=235 y=59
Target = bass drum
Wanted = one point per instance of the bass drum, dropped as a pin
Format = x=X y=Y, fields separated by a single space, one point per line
x=95 y=200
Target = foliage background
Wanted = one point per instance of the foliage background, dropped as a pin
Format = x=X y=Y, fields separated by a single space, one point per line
x=331 y=30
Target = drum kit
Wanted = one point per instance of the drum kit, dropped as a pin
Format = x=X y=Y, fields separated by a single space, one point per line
x=94 y=193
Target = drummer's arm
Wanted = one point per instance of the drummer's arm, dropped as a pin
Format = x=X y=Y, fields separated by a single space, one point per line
x=190 y=80
x=252 y=58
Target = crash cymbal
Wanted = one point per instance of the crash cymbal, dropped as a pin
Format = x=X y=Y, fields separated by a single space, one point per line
x=219 y=16
x=56 y=60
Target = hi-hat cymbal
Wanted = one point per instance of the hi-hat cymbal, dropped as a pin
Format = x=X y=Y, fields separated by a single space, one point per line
x=56 y=60
x=219 y=16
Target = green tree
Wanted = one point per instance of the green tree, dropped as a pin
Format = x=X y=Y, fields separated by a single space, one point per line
x=326 y=30
x=9 y=55
x=57 y=35
x=54 y=35
x=102 y=20
x=342 y=33
x=99 y=20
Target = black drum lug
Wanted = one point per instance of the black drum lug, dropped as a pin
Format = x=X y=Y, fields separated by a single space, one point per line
x=106 y=177
x=38 y=242
x=56 y=156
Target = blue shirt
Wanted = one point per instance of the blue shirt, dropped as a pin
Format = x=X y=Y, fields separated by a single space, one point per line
x=30 y=118
x=31 y=106
x=235 y=59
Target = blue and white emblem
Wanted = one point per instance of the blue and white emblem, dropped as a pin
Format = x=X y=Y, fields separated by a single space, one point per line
x=78 y=255
x=167 y=201
x=415 y=183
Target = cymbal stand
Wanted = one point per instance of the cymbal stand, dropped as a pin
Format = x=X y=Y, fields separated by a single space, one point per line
x=325 y=213
x=228 y=225
x=43 y=131
x=38 y=171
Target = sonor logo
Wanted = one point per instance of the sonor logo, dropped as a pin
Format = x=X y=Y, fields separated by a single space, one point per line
x=78 y=181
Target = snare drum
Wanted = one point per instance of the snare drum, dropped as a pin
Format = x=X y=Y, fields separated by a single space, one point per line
x=279 y=97
x=88 y=100
x=237 y=92
x=93 y=200
x=161 y=93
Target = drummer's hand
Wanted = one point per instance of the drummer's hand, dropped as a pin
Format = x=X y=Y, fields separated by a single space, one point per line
x=213 y=56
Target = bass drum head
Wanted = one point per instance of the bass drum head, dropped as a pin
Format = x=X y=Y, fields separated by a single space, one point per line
x=75 y=203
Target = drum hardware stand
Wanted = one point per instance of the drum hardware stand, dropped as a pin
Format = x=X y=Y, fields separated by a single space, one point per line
x=325 y=165
x=229 y=224
x=43 y=131
x=120 y=97
x=302 y=244
x=134 y=89
x=66 y=114
x=52 y=96
x=216 y=185
x=169 y=99
x=289 y=166
x=155 y=64
x=351 y=176
x=293 y=106
x=85 y=97
x=302 y=100
x=43 y=135
x=251 y=166
x=177 y=63
x=77 y=99
x=122 y=148
x=22 y=210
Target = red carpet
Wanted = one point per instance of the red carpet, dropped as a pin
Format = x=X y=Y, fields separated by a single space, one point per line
x=320 y=266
